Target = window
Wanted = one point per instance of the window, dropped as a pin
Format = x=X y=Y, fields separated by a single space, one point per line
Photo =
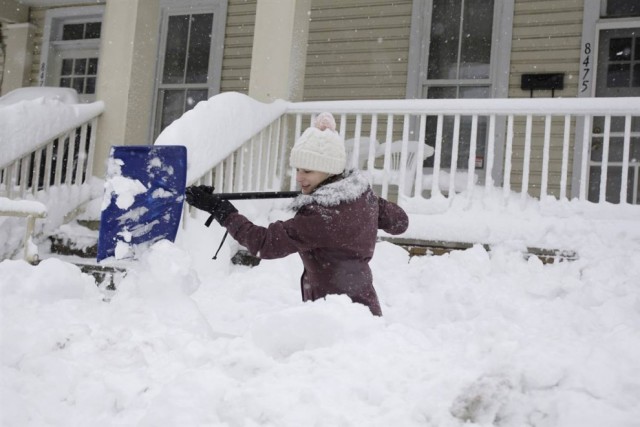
x=71 y=49
x=621 y=58
x=620 y=8
x=615 y=32
x=462 y=47
x=190 y=59
x=459 y=57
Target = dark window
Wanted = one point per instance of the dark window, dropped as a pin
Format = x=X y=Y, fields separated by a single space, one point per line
x=622 y=8
x=73 y=32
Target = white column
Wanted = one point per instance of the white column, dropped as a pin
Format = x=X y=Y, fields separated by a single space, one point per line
x=279 y=51
x=18 y=56
x=126 y=72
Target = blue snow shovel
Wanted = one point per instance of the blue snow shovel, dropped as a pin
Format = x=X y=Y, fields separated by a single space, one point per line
x=144 y=192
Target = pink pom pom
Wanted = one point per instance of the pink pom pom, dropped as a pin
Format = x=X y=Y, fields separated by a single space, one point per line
x=325 y=121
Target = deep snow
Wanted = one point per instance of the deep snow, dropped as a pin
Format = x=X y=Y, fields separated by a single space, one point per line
x=469 y=338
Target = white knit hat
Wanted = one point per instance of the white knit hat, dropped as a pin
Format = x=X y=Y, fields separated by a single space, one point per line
x=320 y=148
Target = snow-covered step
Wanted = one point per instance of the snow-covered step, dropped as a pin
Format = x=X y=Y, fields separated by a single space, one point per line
x=417 y=247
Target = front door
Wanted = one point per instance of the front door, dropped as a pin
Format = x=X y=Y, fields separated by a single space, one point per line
x=618 y=75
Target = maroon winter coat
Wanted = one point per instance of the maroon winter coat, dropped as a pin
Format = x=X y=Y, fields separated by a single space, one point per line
x=334 y=230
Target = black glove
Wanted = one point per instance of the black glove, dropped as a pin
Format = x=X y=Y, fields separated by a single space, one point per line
x=202 y=197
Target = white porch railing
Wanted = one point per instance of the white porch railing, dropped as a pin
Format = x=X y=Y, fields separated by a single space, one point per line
x=65 y=160
x=540 y=147
x=55 y=173
x=535 y=147
x=258 y=165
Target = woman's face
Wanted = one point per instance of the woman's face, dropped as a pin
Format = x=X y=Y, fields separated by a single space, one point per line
x=309 y=180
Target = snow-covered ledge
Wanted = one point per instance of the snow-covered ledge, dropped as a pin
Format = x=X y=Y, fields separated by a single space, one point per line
x=54 y=110
x=31 y=210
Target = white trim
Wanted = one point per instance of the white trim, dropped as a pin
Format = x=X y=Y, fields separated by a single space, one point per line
x=62 y=14
x=501 y=49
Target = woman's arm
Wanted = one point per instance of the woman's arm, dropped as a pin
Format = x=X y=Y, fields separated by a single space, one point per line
x=391 y=217
x=278 y=239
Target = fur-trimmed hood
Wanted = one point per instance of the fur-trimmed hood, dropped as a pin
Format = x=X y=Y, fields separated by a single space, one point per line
x=348 y=188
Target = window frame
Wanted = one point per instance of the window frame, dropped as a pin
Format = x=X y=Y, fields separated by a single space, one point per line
x=169 y=8
x=500 y=50
x=52 y=35
x=499 y=72
x=592 y=25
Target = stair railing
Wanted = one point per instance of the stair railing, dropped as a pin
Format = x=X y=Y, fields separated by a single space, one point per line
x=62 y=162
x=258 y=165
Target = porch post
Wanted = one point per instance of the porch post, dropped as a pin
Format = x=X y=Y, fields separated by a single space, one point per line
x=18 y=40
x=126 y=72
x=279 y=51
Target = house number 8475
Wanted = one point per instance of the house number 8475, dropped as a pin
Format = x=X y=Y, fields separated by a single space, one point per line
x=586 y=67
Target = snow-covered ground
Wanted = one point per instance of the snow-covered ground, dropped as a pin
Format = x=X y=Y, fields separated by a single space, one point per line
x=473 y=338
x=481 y=337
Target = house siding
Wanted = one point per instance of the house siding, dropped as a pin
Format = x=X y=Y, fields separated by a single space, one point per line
x=546 y=39
x=238 y=44
x=236 y=62
x=357 y=50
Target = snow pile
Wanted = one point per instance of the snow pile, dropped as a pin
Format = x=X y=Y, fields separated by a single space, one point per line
x=490 y=217
x=469 y=338
x=18 y=207
x=214 y=129
x=32 y=116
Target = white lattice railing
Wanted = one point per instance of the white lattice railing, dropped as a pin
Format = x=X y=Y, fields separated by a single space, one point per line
x=538 y=147
x=258 y=165
x=535 y=147
x=65 y=160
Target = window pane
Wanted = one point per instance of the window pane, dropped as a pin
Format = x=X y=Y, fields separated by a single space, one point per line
x=92 y=30
x=443 y=45
x=65 y=82
x=623 y=8
x=442 y=93
x=67 y=67
x=72 y=31
x=476 y=40
x=636 y=76
x=172 y=106
x=78 y=85
x=618 y=75
x=91 y=85
x=474 y=92
x=80 y=67
x=93 y=66
x=620 y=49
x=175 y=51
x=199 y=48
x=194 y=96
